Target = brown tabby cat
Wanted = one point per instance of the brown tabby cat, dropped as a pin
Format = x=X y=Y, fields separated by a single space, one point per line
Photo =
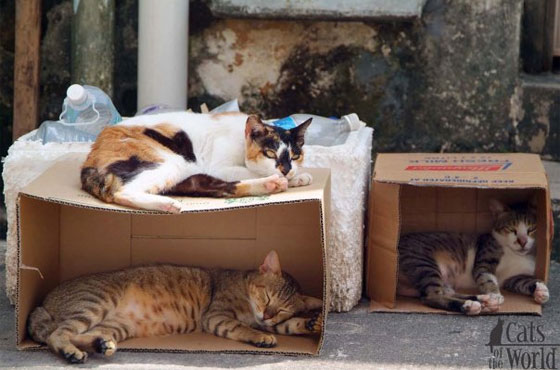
x=433 y=265
x=94 y=313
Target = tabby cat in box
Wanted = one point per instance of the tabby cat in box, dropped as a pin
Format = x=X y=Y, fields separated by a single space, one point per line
x=142 y=159
x=94 y=313
x=433 y=265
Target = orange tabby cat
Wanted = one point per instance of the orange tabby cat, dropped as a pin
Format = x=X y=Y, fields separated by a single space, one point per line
x=95 y=312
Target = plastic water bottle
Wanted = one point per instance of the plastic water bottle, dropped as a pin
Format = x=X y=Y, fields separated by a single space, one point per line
x=89 y=109
x=58 y=131
x=323 y=131
x=85 y=112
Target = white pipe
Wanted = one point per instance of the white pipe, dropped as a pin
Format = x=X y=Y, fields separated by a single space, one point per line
x=163 y=35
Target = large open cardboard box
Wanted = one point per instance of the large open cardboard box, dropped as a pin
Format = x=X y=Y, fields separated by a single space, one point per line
x=64 y=233
x=447 y=192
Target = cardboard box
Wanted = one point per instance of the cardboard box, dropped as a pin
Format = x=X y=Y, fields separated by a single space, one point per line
x=63 y=233
x=447 y=192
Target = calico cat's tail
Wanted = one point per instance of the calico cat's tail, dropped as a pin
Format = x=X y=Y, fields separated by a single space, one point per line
x=102 y=186
x=40 y=325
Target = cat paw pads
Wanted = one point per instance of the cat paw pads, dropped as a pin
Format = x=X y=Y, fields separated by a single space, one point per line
x=315 y=324
x=74 y=356
x=541 y=294
x=301 y=180
x=171 y=207
x=275 y=184
x=264 y=341
x=105 y=347
x=471 y=307
x=490 y=302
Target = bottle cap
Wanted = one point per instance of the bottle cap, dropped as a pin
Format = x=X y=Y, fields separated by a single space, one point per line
x=354 y=121
x=76 y=94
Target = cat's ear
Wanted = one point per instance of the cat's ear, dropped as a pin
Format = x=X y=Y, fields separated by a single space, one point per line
x=299 y=132
x=254 y=127
x=271 y=264
x=497 y=208
x=311 y=303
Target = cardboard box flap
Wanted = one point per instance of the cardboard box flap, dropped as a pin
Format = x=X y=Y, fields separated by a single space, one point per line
x=513 y=170
x=61 y=184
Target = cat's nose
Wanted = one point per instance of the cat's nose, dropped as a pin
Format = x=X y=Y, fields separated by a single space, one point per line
x=285 y=169
x=522 y=240
x=268 y=314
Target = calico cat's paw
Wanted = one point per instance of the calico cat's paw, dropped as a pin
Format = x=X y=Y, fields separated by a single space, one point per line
x=541 y=294
x=300 y=180
x=275 y=184
x=106 y=347
x=172 y=206
x=315 y=324
x=74 y=356
x=471 y=307
x=264 y=340
x=490 y=302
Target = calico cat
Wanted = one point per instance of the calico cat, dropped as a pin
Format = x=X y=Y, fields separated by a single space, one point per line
x=142 y=159
x=433 y=265
x=94 y=313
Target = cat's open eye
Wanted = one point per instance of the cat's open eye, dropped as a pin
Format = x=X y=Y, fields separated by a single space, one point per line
x=295 y=157
x=270 y=154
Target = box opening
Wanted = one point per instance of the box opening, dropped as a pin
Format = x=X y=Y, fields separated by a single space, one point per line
x=448 y=209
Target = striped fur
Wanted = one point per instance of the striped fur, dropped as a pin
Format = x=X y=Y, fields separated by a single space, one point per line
x=139 y=161
x=95 y=312
x=433 y=265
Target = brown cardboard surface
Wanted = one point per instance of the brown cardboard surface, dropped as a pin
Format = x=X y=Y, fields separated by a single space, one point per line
x=64 y=234
x=513 y=303
x=202 y=342
x=50 y=186
x=401 y=204
x=465 y=170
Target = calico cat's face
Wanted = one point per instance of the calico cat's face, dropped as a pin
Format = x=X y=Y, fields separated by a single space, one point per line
x=274 y=296
x=273 y=150
x=514 y=227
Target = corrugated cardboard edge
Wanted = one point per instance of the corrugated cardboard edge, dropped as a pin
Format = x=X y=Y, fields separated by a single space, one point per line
x=323 y=223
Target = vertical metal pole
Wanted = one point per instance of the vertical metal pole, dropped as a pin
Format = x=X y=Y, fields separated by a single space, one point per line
x=163 y=52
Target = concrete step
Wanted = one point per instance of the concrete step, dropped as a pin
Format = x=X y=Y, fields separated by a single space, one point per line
x=319 y=9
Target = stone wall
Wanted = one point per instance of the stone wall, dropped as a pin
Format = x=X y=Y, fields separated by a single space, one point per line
x=448 y=81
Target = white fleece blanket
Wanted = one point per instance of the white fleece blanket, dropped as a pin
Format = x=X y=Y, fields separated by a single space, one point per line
x=350 y=165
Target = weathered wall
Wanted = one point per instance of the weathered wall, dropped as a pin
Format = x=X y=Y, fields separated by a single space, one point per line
x=449 y=81
x=446 y=82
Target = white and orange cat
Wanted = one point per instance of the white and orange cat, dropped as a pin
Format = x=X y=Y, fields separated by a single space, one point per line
x=141 y=160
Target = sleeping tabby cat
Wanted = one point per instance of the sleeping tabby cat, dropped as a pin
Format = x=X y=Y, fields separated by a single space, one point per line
x=95 y=312
x=433 y=265
x=139 y=161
